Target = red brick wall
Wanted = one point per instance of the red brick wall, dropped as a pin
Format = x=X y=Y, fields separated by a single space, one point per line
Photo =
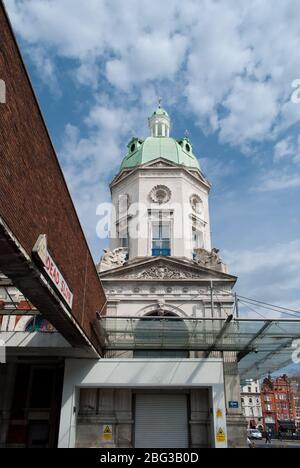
x=279 y=386
x=34 y=198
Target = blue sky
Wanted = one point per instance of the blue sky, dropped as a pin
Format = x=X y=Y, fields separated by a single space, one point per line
x=225 y=71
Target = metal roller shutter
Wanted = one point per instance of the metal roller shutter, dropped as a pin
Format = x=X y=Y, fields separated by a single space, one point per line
x=161 y=421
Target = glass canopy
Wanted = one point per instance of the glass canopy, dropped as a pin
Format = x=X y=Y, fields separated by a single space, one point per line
x=262 y=346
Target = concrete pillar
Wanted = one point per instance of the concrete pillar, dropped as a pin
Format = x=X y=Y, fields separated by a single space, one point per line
x=123 y=411
x=200 y=421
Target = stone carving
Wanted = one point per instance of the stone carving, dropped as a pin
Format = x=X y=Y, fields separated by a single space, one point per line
x=161 y=307
x=163 y=272
x=160 y=194
x=112 y=259
x=196 y=203
x=210 y=260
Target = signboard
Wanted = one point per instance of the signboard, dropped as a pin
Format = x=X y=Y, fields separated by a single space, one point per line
x=234 y=405
x=221 y=437
x=52 y=271
x=219 y=413
x=107 y=433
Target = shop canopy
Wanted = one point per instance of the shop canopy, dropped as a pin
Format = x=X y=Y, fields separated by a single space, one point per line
x=261 y=346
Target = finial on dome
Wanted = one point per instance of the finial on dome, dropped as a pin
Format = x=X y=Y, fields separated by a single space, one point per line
x=159 y=102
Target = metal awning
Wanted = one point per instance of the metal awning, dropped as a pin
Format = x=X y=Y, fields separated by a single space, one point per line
x=262 y=346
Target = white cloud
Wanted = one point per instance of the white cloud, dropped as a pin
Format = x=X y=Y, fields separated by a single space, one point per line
x=268 y=273
x=150 y=58
x=90 y=161
x=229 y=65
x=283 y=149
x=288 y=148
x=252 y=110
x=278 y=179
x=234 y=61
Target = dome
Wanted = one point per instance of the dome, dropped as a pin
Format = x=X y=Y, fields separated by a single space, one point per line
x=178 y=152
x=160 y=111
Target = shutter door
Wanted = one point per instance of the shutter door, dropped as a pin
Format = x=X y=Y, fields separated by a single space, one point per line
x=161 y=421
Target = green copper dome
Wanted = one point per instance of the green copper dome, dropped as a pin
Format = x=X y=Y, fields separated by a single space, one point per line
x=160 y=146
x=160 y=111
x=142 y=152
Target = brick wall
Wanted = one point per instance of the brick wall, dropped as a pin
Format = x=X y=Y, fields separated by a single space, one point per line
x=34 y=198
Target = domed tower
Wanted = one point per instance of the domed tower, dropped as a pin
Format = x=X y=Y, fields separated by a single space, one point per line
x=160 y=196
x=163 y=281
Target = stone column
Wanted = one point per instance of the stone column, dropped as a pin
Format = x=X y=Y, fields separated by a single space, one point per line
x=236 y=422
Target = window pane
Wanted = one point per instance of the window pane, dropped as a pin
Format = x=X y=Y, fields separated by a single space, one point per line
x=166 y=244
x=157 y=244
x=159 y=130
x=197 y=239
x=165 y=231
x=156 y=231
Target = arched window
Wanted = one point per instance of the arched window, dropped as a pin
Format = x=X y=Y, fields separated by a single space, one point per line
x=159 y=326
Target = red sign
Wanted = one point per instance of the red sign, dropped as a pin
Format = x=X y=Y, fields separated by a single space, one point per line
x=52 y=271
x=57 y=278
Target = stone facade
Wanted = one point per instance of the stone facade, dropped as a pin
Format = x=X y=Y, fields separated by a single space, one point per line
x=251 y=404
x=186 y=278
x=114 y=407
x=182 y=183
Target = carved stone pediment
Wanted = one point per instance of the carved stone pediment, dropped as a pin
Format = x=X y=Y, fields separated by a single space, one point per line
x=161 y=272
x=164 y=270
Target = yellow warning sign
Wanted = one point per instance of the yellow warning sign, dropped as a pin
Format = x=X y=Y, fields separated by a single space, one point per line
x=219 y=413
x=221 y=437
x=107 y=432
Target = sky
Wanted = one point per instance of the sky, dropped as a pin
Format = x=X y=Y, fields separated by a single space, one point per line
x=225 y=71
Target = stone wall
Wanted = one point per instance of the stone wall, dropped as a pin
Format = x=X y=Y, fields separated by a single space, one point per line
x=114 y=407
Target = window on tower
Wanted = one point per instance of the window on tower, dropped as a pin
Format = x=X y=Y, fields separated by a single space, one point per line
x=161 y=238
x=123 y=237
x=198 y=240
x=160 y=130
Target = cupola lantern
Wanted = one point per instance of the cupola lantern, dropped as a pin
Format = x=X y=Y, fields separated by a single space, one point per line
x=160 y=122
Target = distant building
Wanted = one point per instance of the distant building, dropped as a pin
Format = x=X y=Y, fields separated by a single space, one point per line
x=295 y=383
x=278 y=404
x=251 y=404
